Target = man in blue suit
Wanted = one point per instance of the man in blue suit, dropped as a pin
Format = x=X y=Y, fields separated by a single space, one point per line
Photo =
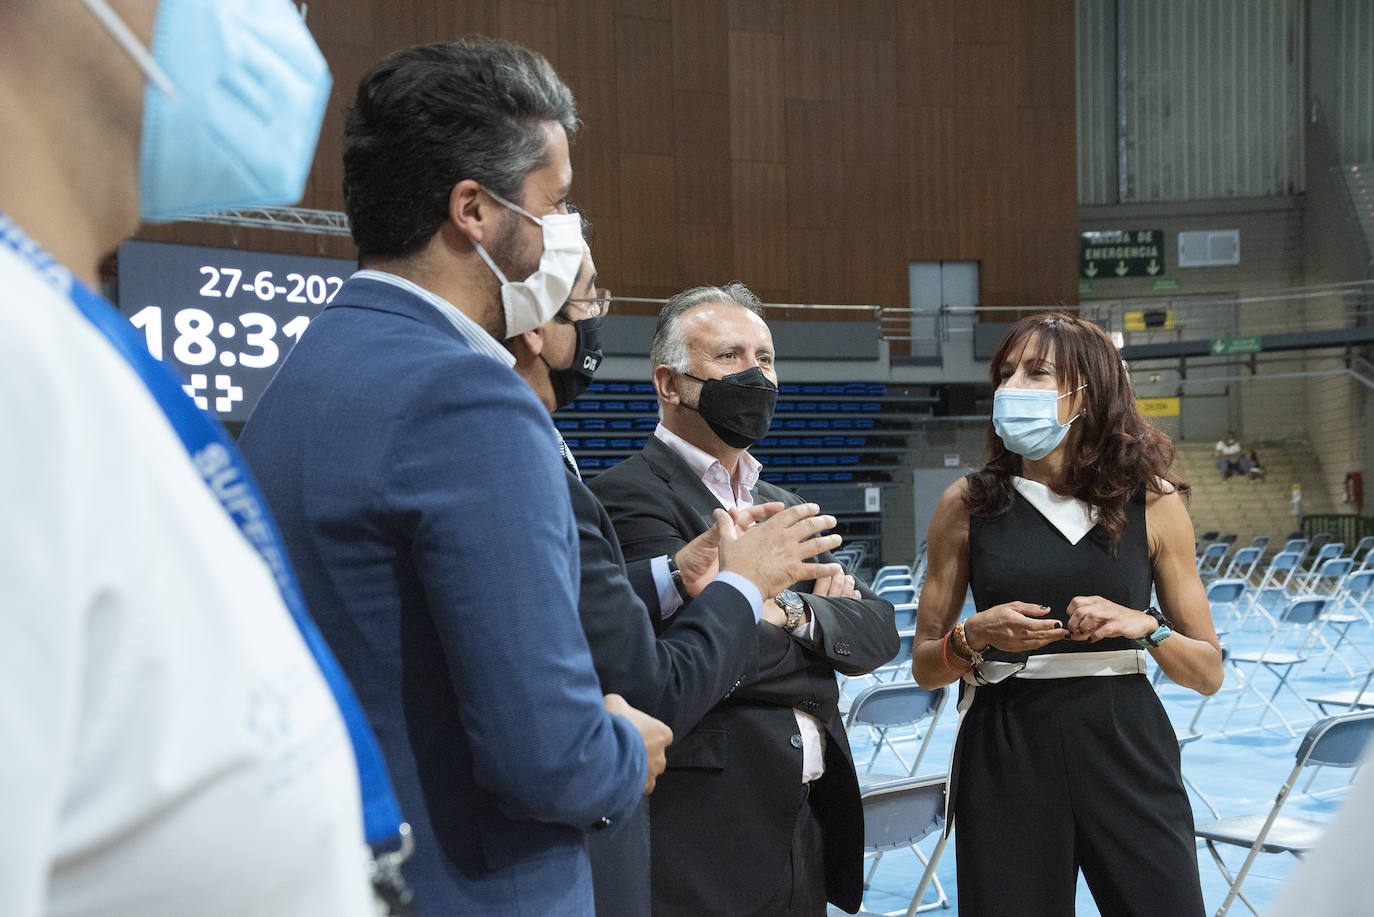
x=418 y=485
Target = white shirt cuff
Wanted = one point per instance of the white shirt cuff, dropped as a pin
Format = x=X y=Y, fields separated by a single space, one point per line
x=669 y=601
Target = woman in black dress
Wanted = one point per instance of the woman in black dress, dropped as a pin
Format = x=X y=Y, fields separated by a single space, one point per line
x=1065 y=759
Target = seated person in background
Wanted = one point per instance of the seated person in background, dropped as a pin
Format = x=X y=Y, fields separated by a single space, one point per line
x=1228 y=455
x=1251 y=467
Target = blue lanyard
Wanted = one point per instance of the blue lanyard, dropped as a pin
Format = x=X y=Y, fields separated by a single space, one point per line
x=226 y=474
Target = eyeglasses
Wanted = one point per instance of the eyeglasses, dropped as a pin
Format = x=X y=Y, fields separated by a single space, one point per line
x=596 y=306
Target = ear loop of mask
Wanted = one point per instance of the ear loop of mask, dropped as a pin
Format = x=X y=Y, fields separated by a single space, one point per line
x=481 y=250
x=132 y=46
x=516 y=207
x=1067 y=394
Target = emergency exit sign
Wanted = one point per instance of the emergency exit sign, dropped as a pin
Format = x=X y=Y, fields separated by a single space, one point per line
x=1121 y=253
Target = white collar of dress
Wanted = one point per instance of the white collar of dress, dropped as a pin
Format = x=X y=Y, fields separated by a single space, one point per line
x=1071 y=516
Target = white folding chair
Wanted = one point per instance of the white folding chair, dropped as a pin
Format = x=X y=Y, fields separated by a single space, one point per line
x=1276 y=578
x=1362 y=548
x=1354 y=593
x=1210 y=561
x=900 y=814
x=1335 y=741
x=1243 y=563
x=1328 y=567
x=897 y=594
x=894 y=572
x=1300 y=616
x=904 y=615
x=1360 y=698
x=1297 y=544
x=1226 y=594
x=885 y=709
x=1320 y=540
x=1189 y=734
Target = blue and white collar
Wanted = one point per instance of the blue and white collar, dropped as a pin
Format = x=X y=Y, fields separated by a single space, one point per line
x=476 y=336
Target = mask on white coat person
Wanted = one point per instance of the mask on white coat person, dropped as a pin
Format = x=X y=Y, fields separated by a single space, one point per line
x=531 y=302
x=232 y=110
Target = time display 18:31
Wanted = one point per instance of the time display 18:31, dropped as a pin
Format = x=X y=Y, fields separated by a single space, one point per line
x=226 y=318
x=194 y=344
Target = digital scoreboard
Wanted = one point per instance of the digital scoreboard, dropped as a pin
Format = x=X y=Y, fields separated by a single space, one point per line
x=225 y=318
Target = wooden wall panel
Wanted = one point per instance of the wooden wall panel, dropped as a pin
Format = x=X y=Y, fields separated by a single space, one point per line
x=649 y=221
x=700 y=63
x=587 y=35
x=755 y=15
x=703 y=156
x=472 y=17
x=810 y=148
x=349 y=22
x=760 y=228
x=811 y=265
x=756 y=97
x=931 y=165
x=596 y=153
x=705 y=254
x=533 y=23
x=645 y=83
x=925 y=53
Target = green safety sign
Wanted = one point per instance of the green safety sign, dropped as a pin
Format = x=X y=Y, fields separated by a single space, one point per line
x=1227 y=346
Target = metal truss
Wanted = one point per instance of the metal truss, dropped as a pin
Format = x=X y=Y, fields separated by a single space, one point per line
x=288 y=219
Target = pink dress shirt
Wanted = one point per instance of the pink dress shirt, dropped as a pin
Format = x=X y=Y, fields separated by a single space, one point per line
x=736 y=493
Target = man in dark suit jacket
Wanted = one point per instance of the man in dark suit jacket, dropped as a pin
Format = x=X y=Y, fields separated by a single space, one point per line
x=708 y=647
x=758 y=811
x=419 y=489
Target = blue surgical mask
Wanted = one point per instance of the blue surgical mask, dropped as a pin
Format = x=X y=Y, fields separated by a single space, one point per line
x=231 y=114
x=531 y=302
x=1027 y=420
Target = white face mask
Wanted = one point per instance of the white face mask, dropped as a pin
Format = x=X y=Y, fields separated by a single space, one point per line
x=532 y=302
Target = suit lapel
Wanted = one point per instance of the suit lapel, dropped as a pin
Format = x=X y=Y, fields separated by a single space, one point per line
x=686 y=486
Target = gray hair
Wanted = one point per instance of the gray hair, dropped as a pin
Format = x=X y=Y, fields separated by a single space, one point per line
x=669 y=347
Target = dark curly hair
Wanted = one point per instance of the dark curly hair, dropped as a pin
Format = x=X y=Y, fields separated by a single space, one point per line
x=1118 y=454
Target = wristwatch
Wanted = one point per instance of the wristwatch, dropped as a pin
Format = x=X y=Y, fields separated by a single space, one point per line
x=675 y=575
x=1161 y=633
x=793 y=606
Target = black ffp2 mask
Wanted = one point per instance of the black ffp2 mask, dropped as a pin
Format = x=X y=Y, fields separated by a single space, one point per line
x=568 y=384
x=739 y=407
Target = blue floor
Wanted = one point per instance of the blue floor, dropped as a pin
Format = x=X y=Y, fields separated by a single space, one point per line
x=1240 y=771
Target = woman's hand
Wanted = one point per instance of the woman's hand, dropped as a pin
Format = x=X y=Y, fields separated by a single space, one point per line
x=1093 y=618
x=1014 y=627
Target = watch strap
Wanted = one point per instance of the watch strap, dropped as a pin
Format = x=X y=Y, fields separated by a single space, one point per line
x=1163 y=631
x=675 y=575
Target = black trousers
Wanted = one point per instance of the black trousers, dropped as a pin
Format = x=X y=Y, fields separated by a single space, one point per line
x=1059 y=775
x=805 y=894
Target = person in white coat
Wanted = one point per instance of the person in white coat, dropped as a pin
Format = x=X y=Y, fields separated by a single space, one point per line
x=170 y=746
